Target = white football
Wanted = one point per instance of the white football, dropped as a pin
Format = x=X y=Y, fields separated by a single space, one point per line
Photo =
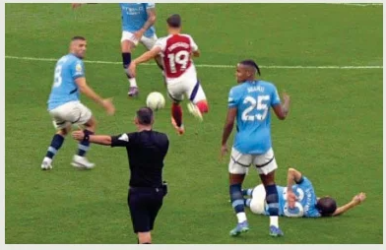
x=155 y=101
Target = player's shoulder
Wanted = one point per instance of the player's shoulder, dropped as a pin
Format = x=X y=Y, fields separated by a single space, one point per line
x=238 y=89
x=267 y=84
x=164 y=38
x=71 y=58
x=186 y=35
x=149 y=5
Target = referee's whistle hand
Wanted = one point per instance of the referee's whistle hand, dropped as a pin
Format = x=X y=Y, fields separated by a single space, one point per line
x=78 y=135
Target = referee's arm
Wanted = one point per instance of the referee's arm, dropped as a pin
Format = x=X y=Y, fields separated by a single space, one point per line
x=106 y=140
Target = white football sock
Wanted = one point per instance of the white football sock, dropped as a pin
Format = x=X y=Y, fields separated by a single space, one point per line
x=133 y=82
x=241 y=217
x=274 y=221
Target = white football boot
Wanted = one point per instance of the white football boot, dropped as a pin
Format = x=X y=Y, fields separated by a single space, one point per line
x=46 y=164
x=81 y=162
x=193 y=109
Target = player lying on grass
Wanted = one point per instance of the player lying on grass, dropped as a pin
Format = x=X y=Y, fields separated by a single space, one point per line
x=298 y=199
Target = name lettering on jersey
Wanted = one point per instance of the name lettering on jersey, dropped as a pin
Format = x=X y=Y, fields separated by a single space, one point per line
x=134 y=11
x=179 y=44
x=256 y=89
x=309 y=199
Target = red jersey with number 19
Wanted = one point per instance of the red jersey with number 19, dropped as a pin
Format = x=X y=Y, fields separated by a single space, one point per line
x=176 y=54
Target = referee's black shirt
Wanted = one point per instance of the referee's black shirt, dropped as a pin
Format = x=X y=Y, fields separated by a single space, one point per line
x=146 y=151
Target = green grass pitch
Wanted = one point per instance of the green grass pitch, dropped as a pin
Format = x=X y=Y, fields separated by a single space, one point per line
x=333 y=134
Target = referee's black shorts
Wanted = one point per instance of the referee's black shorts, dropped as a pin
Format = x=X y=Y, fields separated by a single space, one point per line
x=144 y=204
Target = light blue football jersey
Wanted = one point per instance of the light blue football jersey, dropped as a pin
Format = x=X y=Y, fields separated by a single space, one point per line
x=134 y=16
x=304 y=207
x=253 y=101
x=64 y=88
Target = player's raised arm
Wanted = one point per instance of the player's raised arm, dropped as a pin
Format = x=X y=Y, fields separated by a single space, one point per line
x=90 y=93
x=281 y=109
x=356 y=200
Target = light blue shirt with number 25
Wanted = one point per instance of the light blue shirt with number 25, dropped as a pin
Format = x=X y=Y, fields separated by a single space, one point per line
x=253 y=100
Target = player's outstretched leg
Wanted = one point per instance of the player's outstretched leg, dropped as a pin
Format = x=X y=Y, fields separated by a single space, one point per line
x=80 y=160
x=126 y=59
x=56 y=144
x=272 y=199
x=177 y=118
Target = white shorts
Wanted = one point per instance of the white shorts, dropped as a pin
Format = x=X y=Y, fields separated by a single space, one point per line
x=186 y=85
x=239 y=163
x=258 y=204
x=70 y=113
x=148 y=42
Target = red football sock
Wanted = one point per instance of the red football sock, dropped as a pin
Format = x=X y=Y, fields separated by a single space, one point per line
x=177 y=113
x=203 y=106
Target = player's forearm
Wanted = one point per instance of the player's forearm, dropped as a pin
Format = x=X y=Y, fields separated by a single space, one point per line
x=150 y=22
x=196 y=53
x=100 y=139
x=285 y=107
x=290 y=181
x=90 y=93
x=346 y=207
x=226 y=133
x=293 y=176
x=144 y=58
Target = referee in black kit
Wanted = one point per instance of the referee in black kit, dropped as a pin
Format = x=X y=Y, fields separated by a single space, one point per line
x=146 y=150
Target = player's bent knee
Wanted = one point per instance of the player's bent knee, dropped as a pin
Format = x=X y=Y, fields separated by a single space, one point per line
x=127 y=46
x=91 y=124
x=63 y=132
x=235 y=179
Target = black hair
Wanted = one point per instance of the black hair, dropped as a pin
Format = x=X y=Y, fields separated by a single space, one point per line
x=174 y=21
x=251 y=63
x=75 y=38
x=145 y=116
x=326 y=206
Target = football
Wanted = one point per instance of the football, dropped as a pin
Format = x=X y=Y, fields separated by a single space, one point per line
x=155 y=101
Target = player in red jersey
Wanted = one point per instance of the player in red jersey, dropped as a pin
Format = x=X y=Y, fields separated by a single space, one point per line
x=180 y=73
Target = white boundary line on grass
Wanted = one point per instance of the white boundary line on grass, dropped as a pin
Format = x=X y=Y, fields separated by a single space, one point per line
x=209 y=65
x=359 y=4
